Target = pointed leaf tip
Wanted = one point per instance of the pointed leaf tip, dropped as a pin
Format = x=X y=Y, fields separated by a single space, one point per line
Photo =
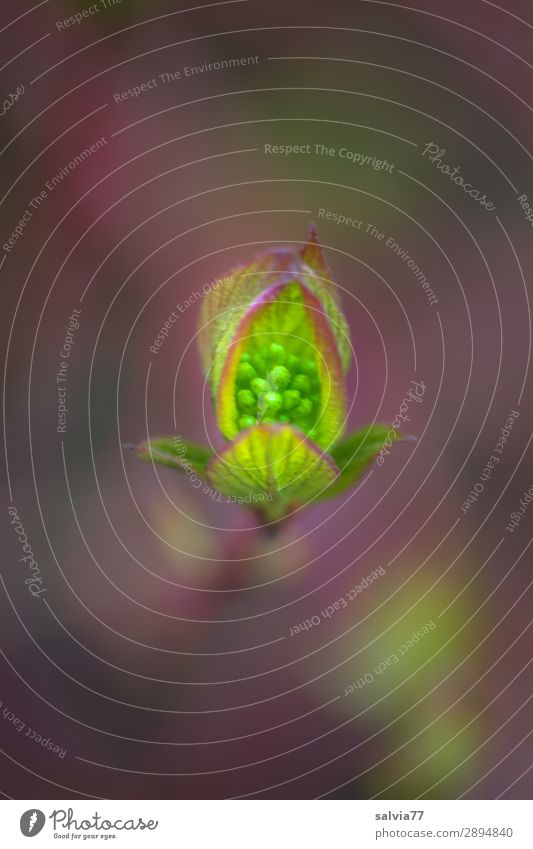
x=313 y=254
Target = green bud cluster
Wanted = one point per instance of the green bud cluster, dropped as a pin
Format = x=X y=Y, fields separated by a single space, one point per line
x=275 y=386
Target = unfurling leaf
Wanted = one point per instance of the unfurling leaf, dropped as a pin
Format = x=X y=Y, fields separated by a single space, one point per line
x=275 y=348
x=283 y=366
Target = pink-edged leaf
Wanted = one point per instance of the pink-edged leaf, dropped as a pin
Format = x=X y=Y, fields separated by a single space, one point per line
x=290 y=316
x=272 y=465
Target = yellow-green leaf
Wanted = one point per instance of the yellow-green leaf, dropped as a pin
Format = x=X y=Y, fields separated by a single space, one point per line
x=272 y=463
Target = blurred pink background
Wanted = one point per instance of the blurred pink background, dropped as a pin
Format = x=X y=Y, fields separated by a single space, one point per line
x=158 y=658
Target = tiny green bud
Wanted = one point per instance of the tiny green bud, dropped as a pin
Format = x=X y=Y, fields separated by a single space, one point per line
x=259 y=385
x=280 y=377
x=245 y=373
x=273 y=400
x=309 y=367
x=246 y=421
x=304 y=408
x=302 y=383
x=259 y=363
x=276 y=353
x=291 y=397
x=246 y=399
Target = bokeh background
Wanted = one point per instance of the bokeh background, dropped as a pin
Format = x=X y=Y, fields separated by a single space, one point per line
x=159 y=660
